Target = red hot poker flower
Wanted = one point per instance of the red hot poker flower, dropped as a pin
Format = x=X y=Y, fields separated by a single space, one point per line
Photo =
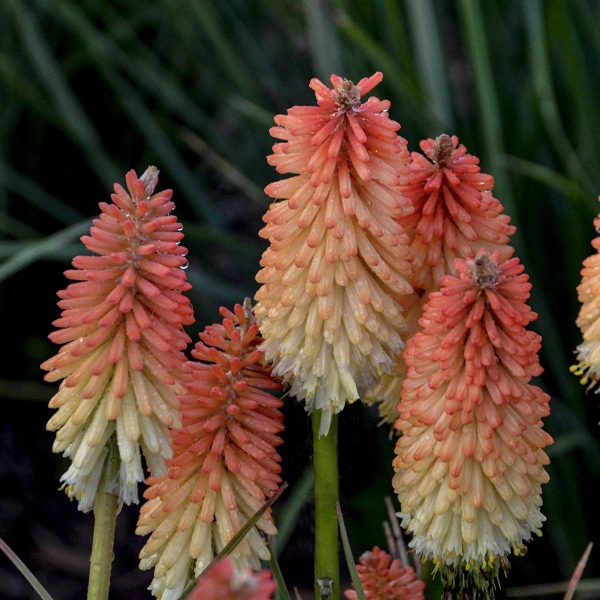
x=223 y=582
x=385 y=579
x=122 y=337
x=225 y=461
x=337 y=259
x=470 y=462
x=455 y=212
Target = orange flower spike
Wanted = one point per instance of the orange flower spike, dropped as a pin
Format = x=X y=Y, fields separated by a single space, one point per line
x=122 y=333
x=588 y=291
x=470 y=462
x=455 y=212
x=225 y=461
x=338 y=259
x=223 y=582
x=385 y=579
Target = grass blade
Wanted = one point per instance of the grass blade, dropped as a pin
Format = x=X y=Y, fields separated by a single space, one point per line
x=322 y=39
x=37 y=196
x=360 y=593
x=430 y=62
x=223 y=166
x=545 y=96
x=281 y=593
x=404 y=86
x=37 y=250
x=74 y=117
x=578 y=572
x=288 y=516
x=27 y=574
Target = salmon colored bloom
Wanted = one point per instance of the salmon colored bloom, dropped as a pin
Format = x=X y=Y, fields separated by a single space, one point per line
x=225 y=462
x=385 y=579
x=469 y=464
x=223 y=582
x=588 y=291
x=455 y=212
x=337 y=260
x=122 y=333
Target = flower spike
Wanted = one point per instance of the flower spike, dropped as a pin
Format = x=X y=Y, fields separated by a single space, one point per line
x=470 y=462
x=385 y=579
x=122 y=337
x=455 y=212
x=223 y=582
x=588 y=320
x=338 y=259
x=225 y=461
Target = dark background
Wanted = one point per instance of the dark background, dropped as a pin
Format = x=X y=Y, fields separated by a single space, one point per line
x=89 y=89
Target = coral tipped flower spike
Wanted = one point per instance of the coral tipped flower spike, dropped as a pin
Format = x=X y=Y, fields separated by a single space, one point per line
x=470 y=461
x=223 y=582
x=588 y=291
x=385 y=579
x=337 y=259
x=455 y=212
x=122 y=337
x=225 y=461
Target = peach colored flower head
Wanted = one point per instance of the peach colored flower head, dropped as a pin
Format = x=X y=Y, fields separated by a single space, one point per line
x=385 y=579
x=455 y=212
x=337 y=259
x=454 y=215
x=223 y=582
x=122 y=337
x=588 y=291
x=469 y=464
x=225 y=462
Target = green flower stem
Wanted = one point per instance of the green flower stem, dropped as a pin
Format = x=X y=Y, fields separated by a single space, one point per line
x=327 y=565
x=105 y=518
x=433 y=589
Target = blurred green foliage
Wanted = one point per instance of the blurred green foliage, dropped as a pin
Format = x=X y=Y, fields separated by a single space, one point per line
x=90 y=89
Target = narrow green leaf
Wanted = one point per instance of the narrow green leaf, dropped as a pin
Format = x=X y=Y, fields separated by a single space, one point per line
x=27 y=574
x=223 y=166
x=74 y=117
x=544 y=91
x=395 y=76
x=476 y=34
x=253 y=111
x=15 y=81
x=139 y=113
x=37 y=250
x=231 y=58
x=37 y=196
x=287 y=517
x=360 y=593
x=322 y=39
x=550 y=178
x=430 y=62
x=281 y=593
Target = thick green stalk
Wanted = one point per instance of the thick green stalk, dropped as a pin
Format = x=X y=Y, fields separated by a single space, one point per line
x=327 y=564
x=433 y=589
x=105 y=518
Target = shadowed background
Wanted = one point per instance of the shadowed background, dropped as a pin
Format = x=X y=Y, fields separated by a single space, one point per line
x=91 y=89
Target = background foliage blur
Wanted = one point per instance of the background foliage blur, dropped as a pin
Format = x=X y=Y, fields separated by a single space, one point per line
x=90 y=89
